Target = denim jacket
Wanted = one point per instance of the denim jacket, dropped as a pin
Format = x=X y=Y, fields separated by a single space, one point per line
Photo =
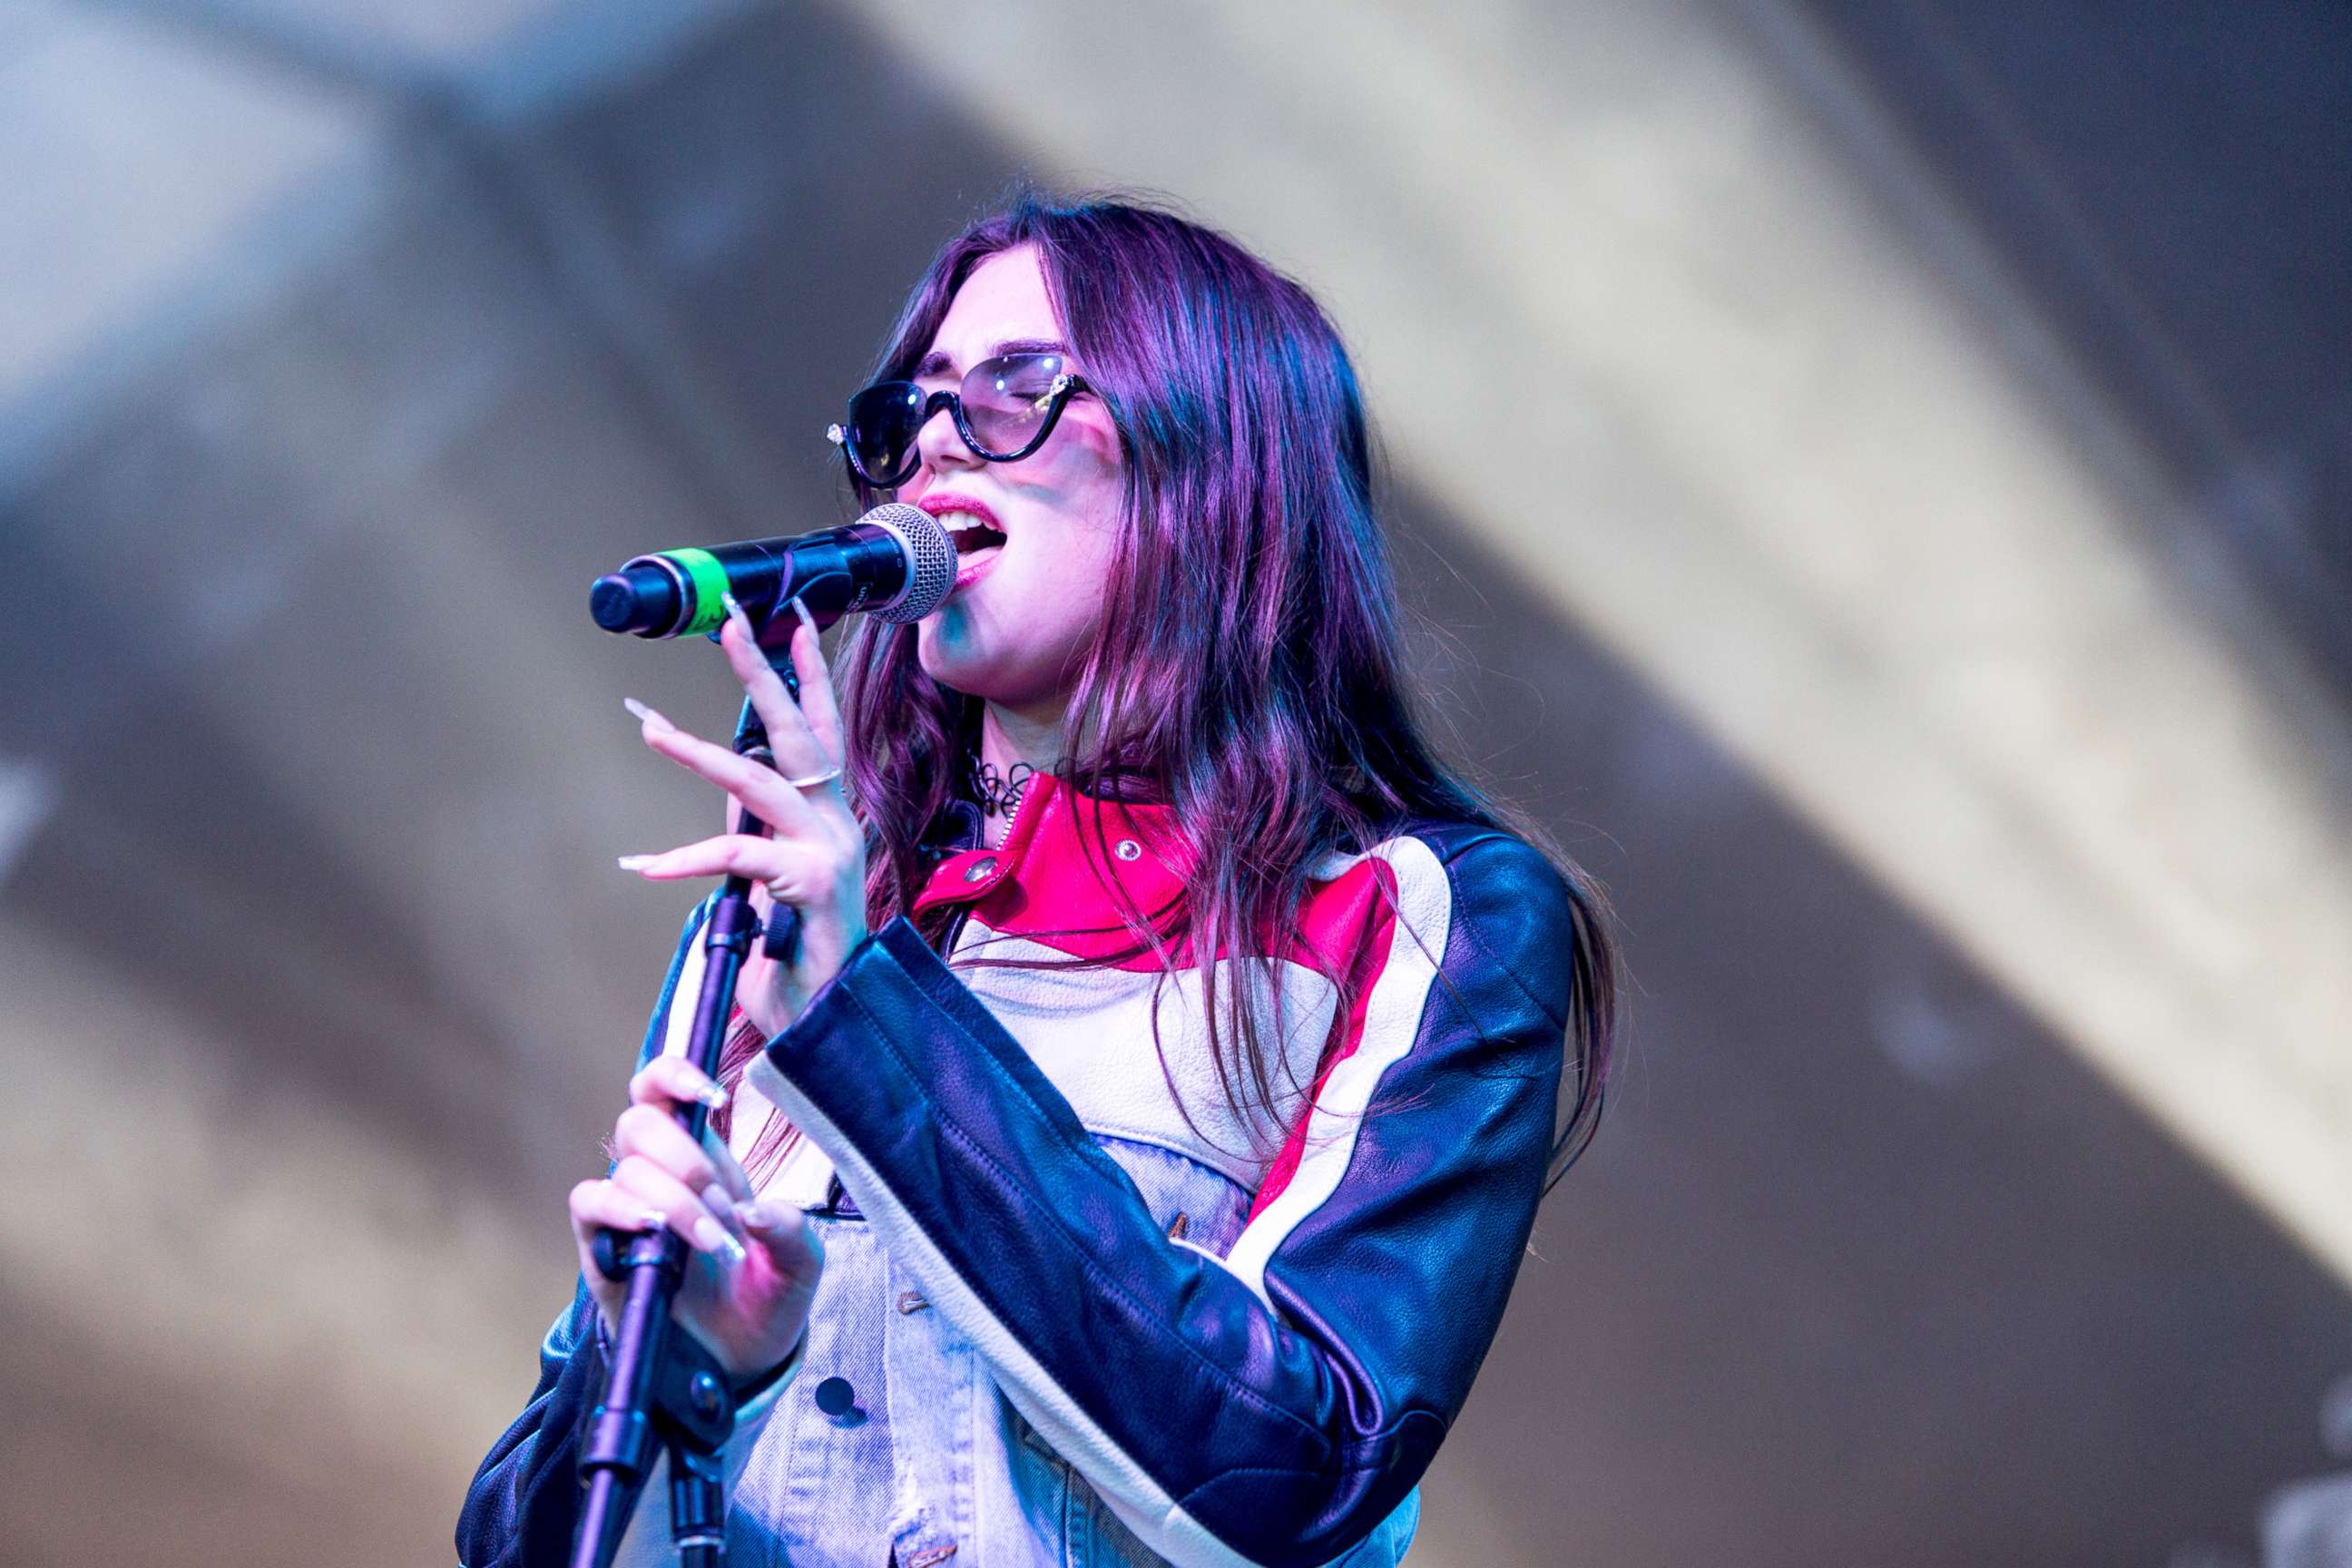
x=1072 y=1311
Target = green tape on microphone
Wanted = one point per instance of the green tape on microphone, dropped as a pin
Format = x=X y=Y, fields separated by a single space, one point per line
x=710 y=580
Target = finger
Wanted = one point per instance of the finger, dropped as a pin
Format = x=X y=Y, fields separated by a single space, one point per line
x=600 y=1205
x=798 y=754
x=762 y=683
x=783 y=1230
x=817 y=704
x=650 y=1128
x=753 y=785
x=688 y=1215
x=653 y=1133
x=788 y=869
x=732 y=1178
x=671 y=1081
x=660 y=1088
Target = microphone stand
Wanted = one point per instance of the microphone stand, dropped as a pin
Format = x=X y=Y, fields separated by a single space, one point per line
x=662 y=1385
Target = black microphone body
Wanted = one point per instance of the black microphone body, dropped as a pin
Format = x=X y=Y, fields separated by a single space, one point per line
x=895 y=562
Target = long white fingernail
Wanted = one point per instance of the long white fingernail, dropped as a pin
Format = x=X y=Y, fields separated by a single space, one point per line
x=711 y=1236
x=634 y=862
x=802 y=610
x=714 y=1199
x=644 y=715
x=759 y=1214
x=700 y=1085
x=652 y=1219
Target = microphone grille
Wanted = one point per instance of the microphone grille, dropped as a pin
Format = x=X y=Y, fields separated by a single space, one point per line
x=930 y=560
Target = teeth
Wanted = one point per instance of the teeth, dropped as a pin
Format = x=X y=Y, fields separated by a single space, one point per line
x=964 y=529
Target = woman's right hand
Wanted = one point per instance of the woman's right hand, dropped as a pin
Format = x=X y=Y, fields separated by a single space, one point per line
x=753 y=1270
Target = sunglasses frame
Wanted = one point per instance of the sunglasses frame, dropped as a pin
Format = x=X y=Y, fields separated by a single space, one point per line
x=1063 y=387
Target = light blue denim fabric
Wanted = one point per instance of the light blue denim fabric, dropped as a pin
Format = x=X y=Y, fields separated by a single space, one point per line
x=932 y=1465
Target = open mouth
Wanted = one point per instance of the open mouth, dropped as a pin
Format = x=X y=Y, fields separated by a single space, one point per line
x=970 y=527
x=969 y=535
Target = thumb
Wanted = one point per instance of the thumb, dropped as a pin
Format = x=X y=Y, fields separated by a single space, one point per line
x=783 y=1231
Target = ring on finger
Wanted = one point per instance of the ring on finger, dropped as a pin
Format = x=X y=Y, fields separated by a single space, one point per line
x=814 y=779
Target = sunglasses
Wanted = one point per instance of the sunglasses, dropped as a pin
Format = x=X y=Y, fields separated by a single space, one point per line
x=1005 y=409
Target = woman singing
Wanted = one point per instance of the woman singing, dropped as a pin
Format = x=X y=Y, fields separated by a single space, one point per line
x=1134 y=1162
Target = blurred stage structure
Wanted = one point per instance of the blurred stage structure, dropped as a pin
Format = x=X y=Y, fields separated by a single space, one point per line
x=1876 y=478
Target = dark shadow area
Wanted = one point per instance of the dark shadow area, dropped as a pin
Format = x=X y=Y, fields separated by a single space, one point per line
x=2169 y=184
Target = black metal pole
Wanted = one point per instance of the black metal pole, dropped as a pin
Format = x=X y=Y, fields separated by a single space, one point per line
x=649 y=1369
x=618 y=1447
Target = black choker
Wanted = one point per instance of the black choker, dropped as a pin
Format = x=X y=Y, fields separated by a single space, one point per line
x=999 y=794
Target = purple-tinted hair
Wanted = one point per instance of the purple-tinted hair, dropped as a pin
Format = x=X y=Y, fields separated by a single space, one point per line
x=1246 y=670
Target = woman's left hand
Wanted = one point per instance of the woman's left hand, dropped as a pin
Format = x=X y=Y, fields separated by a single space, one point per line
x=815 y=856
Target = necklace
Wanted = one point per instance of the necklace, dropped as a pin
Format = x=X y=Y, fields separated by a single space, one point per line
x=999 y=794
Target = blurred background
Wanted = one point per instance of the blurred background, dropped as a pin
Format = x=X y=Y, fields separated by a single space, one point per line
x=1875 y=477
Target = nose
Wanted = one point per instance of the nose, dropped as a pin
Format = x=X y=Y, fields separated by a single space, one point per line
x=942 y=448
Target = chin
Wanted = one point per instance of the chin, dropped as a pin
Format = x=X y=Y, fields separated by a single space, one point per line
x=960 y=667
x=973 y=671
x=946 y=654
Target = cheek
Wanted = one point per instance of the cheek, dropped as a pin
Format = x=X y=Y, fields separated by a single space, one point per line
x=1074 y=531
x=1049 y=604
x=1100 y=499
x=1086 y=565
x=1012 y=635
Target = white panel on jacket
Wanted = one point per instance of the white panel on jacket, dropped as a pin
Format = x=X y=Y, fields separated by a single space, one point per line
x=1090 y=1031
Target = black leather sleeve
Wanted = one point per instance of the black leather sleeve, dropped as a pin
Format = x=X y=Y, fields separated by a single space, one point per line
x=1275 y=1406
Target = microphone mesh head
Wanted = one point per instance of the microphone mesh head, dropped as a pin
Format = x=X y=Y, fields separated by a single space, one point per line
x=930 y=560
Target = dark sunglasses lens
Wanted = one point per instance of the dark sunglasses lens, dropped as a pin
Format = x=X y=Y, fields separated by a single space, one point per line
x=1006 y=401
x=884 y=421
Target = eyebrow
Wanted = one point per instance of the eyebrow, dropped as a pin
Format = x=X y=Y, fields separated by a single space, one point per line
x=937 y=362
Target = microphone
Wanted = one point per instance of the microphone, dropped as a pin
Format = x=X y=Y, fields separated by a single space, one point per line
x=895 y=564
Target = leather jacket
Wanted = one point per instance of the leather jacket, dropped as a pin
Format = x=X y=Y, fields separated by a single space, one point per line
x=1086 y=1312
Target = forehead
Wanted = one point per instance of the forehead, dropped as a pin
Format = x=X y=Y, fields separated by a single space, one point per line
x=1003 y=300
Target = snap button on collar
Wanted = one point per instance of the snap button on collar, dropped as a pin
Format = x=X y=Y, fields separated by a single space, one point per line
x=979 y=871
x=1128 y=849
